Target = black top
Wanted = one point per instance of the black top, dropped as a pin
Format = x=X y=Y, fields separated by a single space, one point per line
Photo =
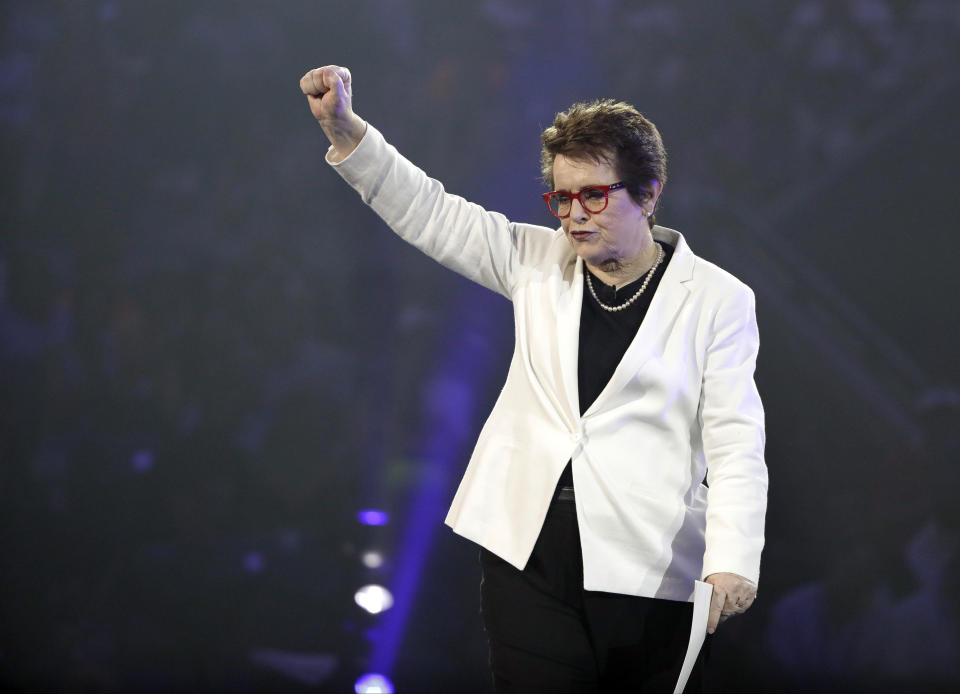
x=606 y=335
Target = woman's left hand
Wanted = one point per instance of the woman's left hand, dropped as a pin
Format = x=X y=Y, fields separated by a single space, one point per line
x=732 y=595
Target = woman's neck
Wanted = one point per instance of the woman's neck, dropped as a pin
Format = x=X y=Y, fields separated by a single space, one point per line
x=618 y=273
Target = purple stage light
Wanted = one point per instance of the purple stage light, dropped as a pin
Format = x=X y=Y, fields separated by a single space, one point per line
x=374 y=599
x=448 y=400
x=253 y=562
x=142 y=461
x=372 y=559
x=372 y=683
x=372 y=516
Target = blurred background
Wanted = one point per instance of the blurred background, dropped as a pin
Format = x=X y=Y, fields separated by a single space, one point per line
x=230 y=399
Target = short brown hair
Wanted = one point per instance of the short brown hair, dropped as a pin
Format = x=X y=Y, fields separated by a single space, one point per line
x=611 y=131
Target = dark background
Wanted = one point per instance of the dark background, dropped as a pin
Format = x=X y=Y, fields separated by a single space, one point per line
x=212 y=355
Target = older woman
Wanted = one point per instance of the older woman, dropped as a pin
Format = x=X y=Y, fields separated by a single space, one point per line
x=623 y=459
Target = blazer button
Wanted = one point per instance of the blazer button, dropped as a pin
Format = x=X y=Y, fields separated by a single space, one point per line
x=575 y=437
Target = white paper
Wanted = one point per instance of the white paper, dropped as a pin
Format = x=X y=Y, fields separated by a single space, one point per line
x=702 y=595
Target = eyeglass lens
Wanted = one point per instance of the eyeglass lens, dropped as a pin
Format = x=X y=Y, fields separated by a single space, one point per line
x=592 y=199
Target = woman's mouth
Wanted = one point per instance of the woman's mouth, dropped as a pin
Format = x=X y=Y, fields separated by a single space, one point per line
x=581 y=235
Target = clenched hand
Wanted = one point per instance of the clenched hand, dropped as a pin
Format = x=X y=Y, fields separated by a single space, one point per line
x=329 y=92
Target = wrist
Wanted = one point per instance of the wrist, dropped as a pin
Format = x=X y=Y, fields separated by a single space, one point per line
x=344 y=136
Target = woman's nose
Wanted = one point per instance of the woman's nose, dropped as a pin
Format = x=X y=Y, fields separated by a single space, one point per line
x=576 y=210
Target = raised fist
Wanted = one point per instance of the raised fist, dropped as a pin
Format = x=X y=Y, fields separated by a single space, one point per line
x=329 y=92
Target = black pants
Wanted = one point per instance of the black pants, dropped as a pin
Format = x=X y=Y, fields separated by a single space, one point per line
x=548 y=634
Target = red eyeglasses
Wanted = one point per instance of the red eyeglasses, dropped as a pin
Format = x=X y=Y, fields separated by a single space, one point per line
x=593 y=199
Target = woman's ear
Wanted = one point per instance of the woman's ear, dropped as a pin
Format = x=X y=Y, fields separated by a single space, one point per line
x=655 y=188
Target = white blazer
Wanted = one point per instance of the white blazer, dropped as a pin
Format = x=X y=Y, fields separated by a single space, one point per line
x=681 y=406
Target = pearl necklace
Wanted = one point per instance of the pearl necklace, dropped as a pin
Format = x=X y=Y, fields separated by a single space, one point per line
x=640 y=291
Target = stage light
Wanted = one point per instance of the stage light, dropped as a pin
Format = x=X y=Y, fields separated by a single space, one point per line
x=142 y=461
x=372 y=516
x=372 y=560
x=253 y=562
x=372 y=683
x=374 y=599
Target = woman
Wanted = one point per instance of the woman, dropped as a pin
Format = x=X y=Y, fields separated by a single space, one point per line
x=631 y=385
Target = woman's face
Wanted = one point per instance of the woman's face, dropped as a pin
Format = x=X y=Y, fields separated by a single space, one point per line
x=609 y=239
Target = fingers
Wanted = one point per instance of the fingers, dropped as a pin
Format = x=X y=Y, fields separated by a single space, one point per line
x=716 y=609
x=346 y=80
x=322 y=79
x=732 y=595
x=308 y=85
x=735 y=605
x=313 y=83
x=330 y=97
x=337 y=85
x=742 y=603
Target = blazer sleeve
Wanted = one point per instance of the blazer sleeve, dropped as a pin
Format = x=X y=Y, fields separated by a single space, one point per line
x=732 y=426
x=480 y=245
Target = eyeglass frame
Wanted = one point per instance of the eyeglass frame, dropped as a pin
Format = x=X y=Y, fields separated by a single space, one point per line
x=576 y=196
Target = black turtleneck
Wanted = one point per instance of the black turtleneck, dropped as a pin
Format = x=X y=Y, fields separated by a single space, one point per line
x=606 y=335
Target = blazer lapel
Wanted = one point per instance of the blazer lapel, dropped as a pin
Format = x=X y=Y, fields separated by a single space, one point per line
x=660 y=317
x=568 y=333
